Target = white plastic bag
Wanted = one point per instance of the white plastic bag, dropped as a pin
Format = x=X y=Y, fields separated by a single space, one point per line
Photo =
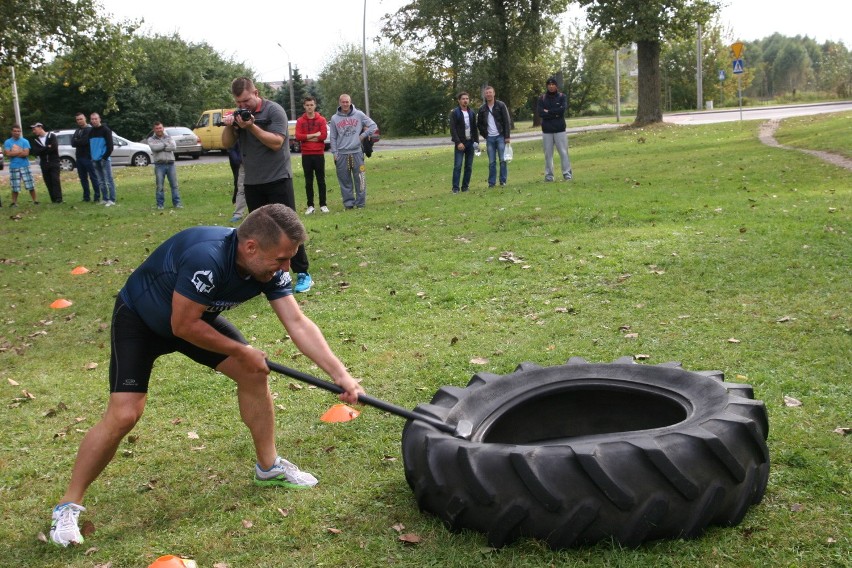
x=508 y=153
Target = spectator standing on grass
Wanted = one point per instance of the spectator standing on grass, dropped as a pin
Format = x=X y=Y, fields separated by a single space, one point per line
x=101 y=146
x=265 y=153
x=163 y=149
x=465 y=137
x=495 y=125
x=238 y=198
x=347 y=129
x=83 y=158
x=17 y=149
x=172 y=303
x=311 y=132
x=46 y=148
x=551 y=108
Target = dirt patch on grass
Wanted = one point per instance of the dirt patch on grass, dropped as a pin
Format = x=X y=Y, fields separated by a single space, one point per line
x=767 y=136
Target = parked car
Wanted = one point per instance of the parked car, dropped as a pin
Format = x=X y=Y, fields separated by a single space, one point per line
x=188 y=144
x=209 y=128
x=125 y=152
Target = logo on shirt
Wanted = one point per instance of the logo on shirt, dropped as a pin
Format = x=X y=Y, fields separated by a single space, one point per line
x=203 y=281
x=283 y=279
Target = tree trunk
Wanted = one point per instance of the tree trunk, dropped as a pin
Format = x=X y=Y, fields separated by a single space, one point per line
x=649 y=110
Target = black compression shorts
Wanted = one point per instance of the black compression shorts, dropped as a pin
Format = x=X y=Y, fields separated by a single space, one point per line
x=134 y=348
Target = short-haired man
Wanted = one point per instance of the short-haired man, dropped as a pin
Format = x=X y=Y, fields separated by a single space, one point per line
x=347 y=129
x=465 y=137
x=551 y=108
x=17 y=149
x=101 y=146
x=311 y=132
x=46 y=147
x=495 y=125
x=173 y=303
x=262 y=135
x=163 y=149
x=83 y=158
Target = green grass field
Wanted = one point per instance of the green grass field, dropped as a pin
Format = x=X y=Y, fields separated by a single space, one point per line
x=715 y=250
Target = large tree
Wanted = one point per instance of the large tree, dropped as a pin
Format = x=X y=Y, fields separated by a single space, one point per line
x=35 y=31
x=647 y=23
x=502 y=42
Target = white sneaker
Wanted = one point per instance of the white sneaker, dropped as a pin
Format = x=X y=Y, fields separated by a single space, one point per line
x=109 y=203
x=324 y=209
x=283 y=474
x=309 y=210
x=63 y=527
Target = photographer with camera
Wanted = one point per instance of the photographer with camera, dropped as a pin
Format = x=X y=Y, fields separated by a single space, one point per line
x=260 y=126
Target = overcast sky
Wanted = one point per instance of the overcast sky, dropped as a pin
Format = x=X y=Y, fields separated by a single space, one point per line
x=309 y=32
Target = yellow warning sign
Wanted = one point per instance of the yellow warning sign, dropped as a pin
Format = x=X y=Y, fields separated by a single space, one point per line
x=737 y=48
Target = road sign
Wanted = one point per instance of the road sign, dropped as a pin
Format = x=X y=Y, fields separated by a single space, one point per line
x=722 y=74
x=738 y=66
x=737 y=48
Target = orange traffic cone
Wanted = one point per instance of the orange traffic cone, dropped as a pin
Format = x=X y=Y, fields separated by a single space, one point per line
x=172 y=561
x=80 y=270
x=60 y=303
x=340 y=413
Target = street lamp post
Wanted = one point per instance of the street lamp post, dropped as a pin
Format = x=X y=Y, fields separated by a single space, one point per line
x=290 y=82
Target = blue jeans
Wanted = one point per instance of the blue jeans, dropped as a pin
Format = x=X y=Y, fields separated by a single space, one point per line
x=465 y=155
x=103 y=171
x=85 y=172
x=162 y=171
x=496 y=145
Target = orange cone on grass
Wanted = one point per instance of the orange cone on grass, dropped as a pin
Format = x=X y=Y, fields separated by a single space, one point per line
x=60 y=303
x=340 y=413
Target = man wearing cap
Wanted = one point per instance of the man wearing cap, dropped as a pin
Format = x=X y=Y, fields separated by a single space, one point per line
x=17 y=148
x=551 y=108
x=46 y=147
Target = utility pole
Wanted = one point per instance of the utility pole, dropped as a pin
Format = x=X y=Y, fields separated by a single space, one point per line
x=15 y=100
x=364 y=61
x=699 y=87
x=290 y=82
x=617 y=87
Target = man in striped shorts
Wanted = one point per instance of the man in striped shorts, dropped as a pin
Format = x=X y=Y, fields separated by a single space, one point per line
x=18 y=149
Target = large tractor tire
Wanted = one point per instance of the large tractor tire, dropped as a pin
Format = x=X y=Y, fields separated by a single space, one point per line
x=581 y=452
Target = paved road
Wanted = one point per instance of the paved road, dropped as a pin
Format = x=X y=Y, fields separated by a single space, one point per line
x=698 y=117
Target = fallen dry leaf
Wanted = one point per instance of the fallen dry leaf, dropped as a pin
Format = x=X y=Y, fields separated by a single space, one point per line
x=90 y=366
x=247 y=524
x=410 y=538
x=91 y=550
x=220 y=565
x=333 y=530
x=176 y=421
x=790 y=401
x=28 y=394
x=843 y=431
x=733 y=340
x=192 y=435
x=107 y=565
x=631 y=335
x=13 y=382
x=479 y=361
x=783 y=319
x=294 y=387
x=41 y=536
x=399 y=527
x=88 y=528
x=284 y=512
x=797 y=507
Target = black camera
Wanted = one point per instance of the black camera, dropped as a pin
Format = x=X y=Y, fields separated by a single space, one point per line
x=243 y=113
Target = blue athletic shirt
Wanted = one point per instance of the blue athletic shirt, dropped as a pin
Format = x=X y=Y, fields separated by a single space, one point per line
x=200 y=264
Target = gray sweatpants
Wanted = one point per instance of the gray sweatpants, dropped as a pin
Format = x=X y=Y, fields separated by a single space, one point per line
x=353 y=182
x=560 y=140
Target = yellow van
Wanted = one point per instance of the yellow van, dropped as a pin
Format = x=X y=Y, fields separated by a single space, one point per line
x=209 y=128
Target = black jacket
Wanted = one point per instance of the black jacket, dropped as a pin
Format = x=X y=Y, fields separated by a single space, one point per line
x=501 y=119
x=457 y=125
x=80 y=141
x=48 y=153
x=556 y=104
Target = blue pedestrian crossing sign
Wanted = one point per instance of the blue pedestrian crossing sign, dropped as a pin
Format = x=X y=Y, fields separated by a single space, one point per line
x=738 y=66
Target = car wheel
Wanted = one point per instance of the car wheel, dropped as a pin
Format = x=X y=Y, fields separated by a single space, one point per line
x=66 y=164
x=196 y=156
x=583 y=452
x=140 y=159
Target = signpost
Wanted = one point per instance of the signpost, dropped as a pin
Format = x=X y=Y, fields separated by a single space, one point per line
x=737 y=49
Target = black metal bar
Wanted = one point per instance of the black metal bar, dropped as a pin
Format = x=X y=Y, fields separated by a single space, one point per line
x=362 y=398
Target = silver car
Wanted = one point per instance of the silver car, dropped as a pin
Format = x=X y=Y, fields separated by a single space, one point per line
x=124 y=153
x=188 y=144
